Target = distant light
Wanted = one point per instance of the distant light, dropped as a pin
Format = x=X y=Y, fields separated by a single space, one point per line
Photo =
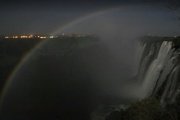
x=15 y=37
x=51 y=37
x=30 y=36
x=23 y=36
x=43 y=37
x=6 y=37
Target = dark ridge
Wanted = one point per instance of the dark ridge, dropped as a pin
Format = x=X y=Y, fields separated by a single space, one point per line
x=153 y=39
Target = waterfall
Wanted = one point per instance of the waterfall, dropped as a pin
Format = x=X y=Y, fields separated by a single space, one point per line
x=158 y=70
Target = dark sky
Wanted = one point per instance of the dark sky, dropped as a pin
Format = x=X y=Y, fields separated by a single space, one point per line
x=38 y=16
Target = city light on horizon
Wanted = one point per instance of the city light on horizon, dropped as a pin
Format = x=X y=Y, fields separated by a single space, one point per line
x=43 y=36
x=28 y=36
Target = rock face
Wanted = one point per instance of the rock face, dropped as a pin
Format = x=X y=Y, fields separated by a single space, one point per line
x=58 y=80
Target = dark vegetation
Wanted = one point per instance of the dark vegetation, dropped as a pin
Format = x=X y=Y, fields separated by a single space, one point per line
x=151 y=39
x=148 y=109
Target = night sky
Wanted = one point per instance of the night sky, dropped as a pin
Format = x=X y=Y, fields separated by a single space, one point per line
x=33 y=16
